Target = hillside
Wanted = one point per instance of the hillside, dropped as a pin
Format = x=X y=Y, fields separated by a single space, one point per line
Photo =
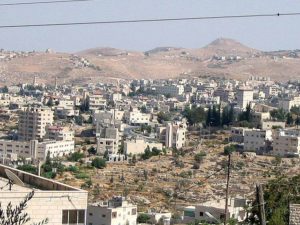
x=222 y=57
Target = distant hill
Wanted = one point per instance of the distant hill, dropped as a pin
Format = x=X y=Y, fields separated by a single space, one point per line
x=222 y=57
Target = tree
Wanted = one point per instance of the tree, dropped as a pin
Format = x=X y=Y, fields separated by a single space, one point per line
x=229 y=149
x=278 y=114
x=133 y=159
x=92 y=150
x=76 y=156
x=199 y=157
x=143 y=218
x=147 y=153
x=161 y=116
x=105 y=155
x=5 y=89
x=289 y=119
x=209 y=116
x=194 y=115
x=28 y=168
x=143 y=109
x=50 y=102
x=15 y=215
x=99 y=163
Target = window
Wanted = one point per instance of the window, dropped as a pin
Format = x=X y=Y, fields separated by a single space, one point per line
x=114 y=214
x=133 y=212
x=103 y=215
x=222 y=216
x=201 y=214
x=73 y=217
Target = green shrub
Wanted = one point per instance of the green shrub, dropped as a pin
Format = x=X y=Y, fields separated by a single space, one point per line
x=99 y=163
x=82 y=176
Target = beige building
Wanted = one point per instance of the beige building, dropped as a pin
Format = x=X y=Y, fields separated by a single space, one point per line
x=138 y=146
x=97 y=102
x=108 y=140
x=259 y=117
x=173 y=134
x=244 y=96
x=116 y=211
x=172 y=90
x=213 y=211
x=286 y=143
x=59 y=203
x=267 y=125
x=287 y=104
x=33 y=122
x=59 y=133
x=237 y=134
x=257 y=140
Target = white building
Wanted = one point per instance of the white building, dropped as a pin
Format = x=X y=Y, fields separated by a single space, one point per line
x=135 y=117
x=34 y=149
x=257 y=140
x=138 y=146
x=244 y=96
x=117 y=211
x=213 y=211
x=59 y=203
x=286 y=143
x=32 y=123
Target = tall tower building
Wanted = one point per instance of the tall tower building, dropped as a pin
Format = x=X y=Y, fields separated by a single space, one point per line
x=244 y=96
x=35 y=81
x=33 y=122
x=55 y=83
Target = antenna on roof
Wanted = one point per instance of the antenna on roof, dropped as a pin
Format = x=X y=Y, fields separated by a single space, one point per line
x=13 y=179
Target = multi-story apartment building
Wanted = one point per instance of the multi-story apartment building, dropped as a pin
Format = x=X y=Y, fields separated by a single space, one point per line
x=34 y=149
x=108 y=140
x=97 y=102
x=116 y=211
x=135 y=117
x=59 y=133
x=286 y=143
x=257 y=140
x=59 y=203
x=237 y=134
x=287 y=104
x=244 y=96
x=271 y=90
x=33 y=122
x=172 y=90
x=173 y=134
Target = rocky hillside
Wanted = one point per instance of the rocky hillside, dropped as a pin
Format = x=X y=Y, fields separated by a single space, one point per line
x=223 y=57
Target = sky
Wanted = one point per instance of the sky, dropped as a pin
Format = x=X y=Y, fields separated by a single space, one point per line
x=272 y=33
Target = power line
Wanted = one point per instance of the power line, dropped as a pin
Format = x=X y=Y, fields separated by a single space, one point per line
x=42 y=2
x=149 y=20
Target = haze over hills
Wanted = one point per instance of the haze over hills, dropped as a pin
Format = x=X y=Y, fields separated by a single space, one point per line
x=222 y=57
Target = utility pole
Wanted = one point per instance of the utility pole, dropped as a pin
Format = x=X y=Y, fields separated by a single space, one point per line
x=227 y=187
x=261 y=204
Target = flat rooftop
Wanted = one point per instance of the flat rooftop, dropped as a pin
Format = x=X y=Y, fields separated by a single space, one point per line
x=32 y=181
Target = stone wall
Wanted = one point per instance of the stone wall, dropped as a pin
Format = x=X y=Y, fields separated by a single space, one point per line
x=294 y=214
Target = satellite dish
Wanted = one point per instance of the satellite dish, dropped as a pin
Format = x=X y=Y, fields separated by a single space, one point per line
x=13 y=179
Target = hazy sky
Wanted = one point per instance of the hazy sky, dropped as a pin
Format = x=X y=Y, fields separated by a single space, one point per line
x=262 y=33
